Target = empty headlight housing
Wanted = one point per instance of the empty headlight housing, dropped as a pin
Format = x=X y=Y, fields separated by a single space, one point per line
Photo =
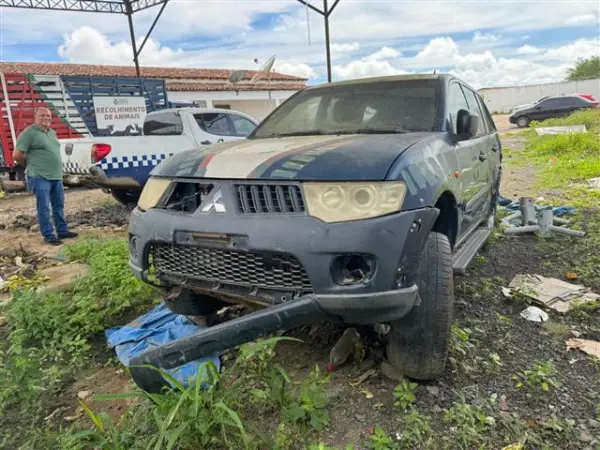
x=339 y=202
x=153 y=191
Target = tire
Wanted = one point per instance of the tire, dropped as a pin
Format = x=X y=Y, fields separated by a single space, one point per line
x=523 y=122
x=125 y=196
x=418 y=343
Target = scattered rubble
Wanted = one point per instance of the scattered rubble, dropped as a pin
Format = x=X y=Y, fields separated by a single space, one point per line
x=585 y=345
x=551 y=292
x=541 y=131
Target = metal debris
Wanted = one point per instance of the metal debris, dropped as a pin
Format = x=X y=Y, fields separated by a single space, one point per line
x=551 y=292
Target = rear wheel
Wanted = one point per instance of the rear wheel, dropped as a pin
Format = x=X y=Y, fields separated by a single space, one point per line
x=523 y=122
x=125 y=196
x=418 y=343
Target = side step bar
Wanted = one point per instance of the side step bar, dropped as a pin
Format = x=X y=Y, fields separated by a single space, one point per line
x=223 y=336
x=464 y=256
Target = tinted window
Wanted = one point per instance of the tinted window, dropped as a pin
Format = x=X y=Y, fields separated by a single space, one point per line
x=474 y=107
x=405 y=105
x=241 y=125
x=555 y=103
x=163 y=124
x=456 y=102
x=214 y=123
x=581 y=102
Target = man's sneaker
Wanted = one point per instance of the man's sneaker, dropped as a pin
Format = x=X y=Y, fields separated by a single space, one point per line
x=67 y=235
x=53 y=241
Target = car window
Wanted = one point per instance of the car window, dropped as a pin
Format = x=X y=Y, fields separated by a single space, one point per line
x=163 y=124
x=474 y=107
x=555 y=103
x=487 y=117
x=456 y=102
x=215 y=123
x=241 y=125
x=581 y=102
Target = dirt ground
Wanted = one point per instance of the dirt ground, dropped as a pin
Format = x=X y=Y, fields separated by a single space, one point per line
x=492 y=319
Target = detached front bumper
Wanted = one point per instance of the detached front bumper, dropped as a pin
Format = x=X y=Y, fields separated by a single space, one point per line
x=393 y=243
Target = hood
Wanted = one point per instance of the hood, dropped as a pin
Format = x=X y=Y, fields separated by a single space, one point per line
x=521 y=107
x=349 y=157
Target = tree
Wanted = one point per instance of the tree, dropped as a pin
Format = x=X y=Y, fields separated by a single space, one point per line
x=585 y=69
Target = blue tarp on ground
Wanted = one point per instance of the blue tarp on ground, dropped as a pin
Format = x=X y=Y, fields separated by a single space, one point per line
x=156 y=327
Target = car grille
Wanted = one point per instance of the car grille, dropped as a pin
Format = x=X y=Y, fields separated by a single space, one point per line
x=269 y=198
x=226 y=266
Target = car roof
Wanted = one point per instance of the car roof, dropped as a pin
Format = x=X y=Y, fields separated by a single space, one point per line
x=193 y=109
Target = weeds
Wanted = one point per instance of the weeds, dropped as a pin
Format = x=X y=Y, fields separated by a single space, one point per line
x=216 y=411
x=589 y=118
x=471 y=423
x=405 y=395
x=460 y=345
x=541 y=376
x=51 y=333
x=417 y=431
x=380 y=440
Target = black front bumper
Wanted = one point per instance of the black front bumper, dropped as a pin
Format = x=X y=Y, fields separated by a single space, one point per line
x=394 y=241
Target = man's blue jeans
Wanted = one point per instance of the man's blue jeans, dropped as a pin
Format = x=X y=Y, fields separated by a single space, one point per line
x=49 y=193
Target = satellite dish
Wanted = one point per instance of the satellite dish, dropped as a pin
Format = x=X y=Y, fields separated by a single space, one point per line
x=237 y=76
x=265 y=71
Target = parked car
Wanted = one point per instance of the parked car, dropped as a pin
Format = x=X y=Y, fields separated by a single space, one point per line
x=551 y=107
x=352 y=202
x=122 y=164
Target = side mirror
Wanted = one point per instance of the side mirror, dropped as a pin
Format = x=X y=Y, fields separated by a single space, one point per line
x=467 y=124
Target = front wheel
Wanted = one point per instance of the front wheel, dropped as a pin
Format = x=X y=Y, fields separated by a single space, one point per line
x=125 y=197
x=418 y=343
x=523 y=122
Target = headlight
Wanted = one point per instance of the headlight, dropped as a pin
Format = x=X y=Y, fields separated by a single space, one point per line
x=152 y=193
x=338 y=202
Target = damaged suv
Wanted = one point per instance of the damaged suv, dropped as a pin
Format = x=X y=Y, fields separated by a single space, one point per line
x=352 y=202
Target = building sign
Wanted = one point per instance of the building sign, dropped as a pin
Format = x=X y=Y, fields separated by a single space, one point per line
x=120 y=116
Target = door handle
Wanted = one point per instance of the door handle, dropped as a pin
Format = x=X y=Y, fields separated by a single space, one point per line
x=205 y=142
x=482 y=156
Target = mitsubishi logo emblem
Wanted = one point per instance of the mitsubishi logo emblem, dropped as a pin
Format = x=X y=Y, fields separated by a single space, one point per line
x=215 y=201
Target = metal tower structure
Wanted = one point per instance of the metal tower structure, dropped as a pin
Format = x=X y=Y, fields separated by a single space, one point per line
x=130 y=7
x=126 y=7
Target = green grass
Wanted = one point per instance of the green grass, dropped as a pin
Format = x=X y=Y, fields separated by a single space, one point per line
x=589 y=118
x=51 y=335
x=564 y=162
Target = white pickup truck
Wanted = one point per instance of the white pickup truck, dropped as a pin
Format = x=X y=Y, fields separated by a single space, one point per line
x=121 y=164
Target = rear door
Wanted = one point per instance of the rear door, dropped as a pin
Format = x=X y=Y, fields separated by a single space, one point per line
x=221 y=127
x=467 y=154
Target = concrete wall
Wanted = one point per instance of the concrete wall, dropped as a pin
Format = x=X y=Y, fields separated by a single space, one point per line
x=503 y=100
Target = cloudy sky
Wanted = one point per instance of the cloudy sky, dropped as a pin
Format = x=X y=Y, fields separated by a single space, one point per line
x=485 y=42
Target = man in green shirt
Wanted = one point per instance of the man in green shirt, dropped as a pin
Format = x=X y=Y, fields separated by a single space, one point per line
x=38 y=149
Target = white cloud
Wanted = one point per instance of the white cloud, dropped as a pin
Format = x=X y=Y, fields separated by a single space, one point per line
x=583 y=19
x=481 y=37
x=87 y=45
x=383 y=53
x=581 y=48
x=438 y=52
x=365 y=68
x=528 y=50
x=344 y=48
x=298 y=69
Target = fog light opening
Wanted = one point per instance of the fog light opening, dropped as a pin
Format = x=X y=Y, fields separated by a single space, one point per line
x=353 y=269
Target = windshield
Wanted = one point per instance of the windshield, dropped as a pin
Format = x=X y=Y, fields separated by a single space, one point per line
x=385 y=107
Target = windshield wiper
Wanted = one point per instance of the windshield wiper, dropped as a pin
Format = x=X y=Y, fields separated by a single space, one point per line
x=299 y=133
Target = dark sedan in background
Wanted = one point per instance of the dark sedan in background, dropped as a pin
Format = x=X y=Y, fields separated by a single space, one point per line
x=550 y=107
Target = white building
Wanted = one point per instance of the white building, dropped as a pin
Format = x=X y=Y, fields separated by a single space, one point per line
x=205 y=87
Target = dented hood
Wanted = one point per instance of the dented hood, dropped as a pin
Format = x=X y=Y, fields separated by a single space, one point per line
x=348 y=157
